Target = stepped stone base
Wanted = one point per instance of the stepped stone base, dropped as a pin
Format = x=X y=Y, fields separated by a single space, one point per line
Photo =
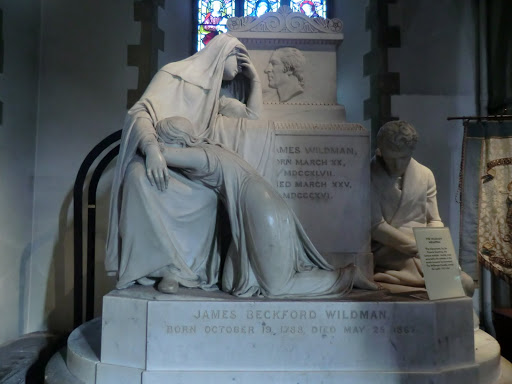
x=196 y=336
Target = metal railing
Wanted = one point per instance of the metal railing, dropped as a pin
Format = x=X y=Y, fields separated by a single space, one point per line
x=99 y=151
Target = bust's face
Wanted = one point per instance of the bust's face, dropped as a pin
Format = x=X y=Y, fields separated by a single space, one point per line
x=396 y=162
x=276 y=72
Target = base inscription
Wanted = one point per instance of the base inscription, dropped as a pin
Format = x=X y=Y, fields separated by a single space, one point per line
x=325 y=174
x=293 y=336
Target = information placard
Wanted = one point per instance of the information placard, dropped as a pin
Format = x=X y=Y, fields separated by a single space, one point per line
x=440 y=266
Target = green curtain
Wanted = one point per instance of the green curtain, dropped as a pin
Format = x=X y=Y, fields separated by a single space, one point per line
x=499 y=56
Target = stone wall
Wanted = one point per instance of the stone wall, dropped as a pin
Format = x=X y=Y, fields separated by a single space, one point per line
x=436 y=62
x=18 y=93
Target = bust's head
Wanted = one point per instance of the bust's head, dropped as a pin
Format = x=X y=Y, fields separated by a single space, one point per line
x=285 y=72
x=175 y=131
x=396 y=141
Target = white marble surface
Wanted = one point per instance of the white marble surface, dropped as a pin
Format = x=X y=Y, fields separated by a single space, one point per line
x=185 y=332
x=487 y=356
x=84 y=345
x=301 y=112
x=321 y=171
x=506 y=372
x=123 y=338
x=486 y=369
x=116 y=374
x=466 y=376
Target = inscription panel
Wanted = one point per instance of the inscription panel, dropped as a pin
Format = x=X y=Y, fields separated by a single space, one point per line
x=325 y=179
x=275 y=335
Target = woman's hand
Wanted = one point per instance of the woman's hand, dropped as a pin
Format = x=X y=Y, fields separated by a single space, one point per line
x=248 y=68
x=156 y=168
x=255 y=98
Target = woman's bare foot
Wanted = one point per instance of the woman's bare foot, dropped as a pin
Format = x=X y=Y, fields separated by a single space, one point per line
x=168 y=285
x=362 y=282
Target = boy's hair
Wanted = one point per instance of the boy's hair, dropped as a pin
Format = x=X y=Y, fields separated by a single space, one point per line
x=397 y=136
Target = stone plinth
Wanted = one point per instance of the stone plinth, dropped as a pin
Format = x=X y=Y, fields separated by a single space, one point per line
x=321 y=163
x=321 y=170
x=213 y=337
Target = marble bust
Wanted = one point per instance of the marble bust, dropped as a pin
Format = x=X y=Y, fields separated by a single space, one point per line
x=403 y=195
x=285 y=72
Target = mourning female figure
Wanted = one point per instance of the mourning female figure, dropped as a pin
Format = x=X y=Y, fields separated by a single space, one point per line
x=271 y=254
x=161 y=223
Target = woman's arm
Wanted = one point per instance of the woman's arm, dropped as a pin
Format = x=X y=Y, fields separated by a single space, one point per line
x=156 y=168
x=190 y=158
x=255 y=98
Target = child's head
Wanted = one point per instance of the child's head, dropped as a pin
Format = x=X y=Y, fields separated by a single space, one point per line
x=175 y=130
x=398 y=136
x=396 y=141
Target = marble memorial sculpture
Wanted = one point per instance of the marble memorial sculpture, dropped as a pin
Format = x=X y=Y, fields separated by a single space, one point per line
x=403 y=197
x=271 y=254
x=220 y=152
x=163 y=223
x=285 y=72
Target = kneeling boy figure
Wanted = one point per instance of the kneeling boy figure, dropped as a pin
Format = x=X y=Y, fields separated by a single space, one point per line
x=403 y=197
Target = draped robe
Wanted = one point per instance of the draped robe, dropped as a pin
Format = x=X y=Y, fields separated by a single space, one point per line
x=415 y=205
x=176 y=228
x=270 y=255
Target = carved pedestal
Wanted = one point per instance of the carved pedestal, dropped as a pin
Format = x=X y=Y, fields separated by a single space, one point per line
x=196 y=336
x=321 y=163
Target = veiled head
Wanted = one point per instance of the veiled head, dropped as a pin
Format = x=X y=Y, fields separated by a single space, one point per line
x=231 y=66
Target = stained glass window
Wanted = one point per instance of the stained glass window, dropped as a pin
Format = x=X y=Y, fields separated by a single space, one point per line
x=212 y=17
x=213 y=14
x=311 y=8
x=259 y=7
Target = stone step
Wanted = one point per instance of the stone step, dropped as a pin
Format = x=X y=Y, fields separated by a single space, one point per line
x=85 y=360
x=487 y=356
x=57 y=372
x=24 y=359
x=83 y=353
x=84 y=348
